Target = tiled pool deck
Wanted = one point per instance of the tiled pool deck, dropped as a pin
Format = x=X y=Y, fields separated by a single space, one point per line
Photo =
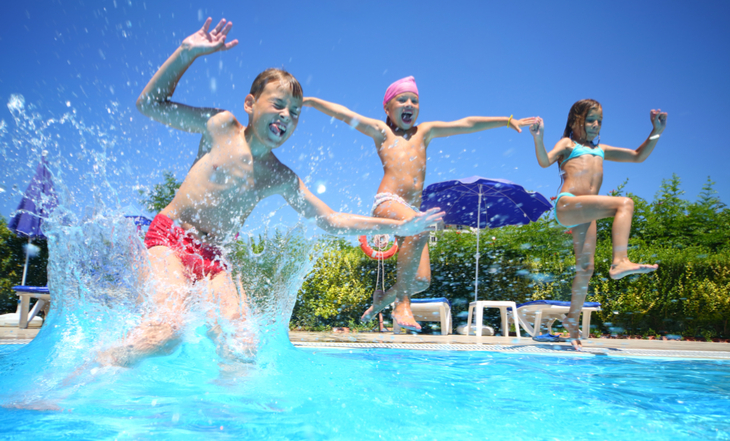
x=592 y=347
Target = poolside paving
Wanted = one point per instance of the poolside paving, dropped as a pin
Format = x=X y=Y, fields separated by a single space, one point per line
x=592 y=347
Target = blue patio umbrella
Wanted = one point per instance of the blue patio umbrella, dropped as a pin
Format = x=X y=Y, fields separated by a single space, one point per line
x=139 y=218
x=38 y=202
x=484 y=203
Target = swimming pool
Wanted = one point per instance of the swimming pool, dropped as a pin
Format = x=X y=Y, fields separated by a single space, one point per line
x=322 y=394
x=51 y=388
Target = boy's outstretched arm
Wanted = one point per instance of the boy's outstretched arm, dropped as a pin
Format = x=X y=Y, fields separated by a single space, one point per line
x=154 y=101
x=368 y=126
x=471 y=124
x=545 y=159
x=311 y=207
x=659 y=123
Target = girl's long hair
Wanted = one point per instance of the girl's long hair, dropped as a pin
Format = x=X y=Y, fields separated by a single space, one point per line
x=577 y=117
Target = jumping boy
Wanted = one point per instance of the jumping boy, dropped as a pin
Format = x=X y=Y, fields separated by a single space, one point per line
x=401 y=145
x=234 y=170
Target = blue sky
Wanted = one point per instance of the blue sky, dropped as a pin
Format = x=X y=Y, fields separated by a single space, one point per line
x=469 y=58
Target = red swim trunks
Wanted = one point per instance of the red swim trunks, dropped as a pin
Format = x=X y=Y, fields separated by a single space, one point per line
x=200 y=259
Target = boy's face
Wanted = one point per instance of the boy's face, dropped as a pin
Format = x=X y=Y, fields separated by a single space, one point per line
x=403 y=110
x=274 y=115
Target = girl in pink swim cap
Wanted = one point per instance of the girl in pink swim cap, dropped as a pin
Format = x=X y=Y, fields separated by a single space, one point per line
x=401 y=145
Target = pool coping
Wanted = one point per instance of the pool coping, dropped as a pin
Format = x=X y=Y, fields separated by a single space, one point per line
x=537 y=349
x=512 y=345
x=524 y=345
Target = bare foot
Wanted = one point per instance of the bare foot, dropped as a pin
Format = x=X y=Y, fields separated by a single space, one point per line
x=404 y=317
x=571 y=326
x=626 y=268
x=380 y=302
x=577 y=344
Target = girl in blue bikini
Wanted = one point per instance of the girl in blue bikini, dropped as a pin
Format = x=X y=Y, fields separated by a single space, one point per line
x=578 y=206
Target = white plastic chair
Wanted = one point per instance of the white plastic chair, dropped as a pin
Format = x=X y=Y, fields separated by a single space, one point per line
x=503 y=306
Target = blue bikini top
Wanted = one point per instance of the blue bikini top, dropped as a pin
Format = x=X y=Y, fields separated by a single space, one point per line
x=580 y=150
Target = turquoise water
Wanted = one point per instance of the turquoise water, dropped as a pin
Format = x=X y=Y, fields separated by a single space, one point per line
x=324 y=394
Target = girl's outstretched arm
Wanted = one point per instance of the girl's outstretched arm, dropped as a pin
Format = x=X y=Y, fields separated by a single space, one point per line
x=471 y=124
x=308 y=205
x=659 y=123
x=544 y=158
x=368 y=126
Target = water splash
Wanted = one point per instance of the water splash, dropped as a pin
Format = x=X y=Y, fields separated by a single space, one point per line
x=101 y=280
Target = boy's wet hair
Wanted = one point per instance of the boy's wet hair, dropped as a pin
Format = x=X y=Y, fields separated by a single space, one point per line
x=286 y=80
x=577 y=116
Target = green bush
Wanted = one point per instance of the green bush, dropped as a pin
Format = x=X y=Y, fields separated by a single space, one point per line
x=339 y=288
x=689 y=294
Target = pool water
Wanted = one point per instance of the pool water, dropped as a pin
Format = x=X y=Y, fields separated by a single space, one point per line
x=324 y=394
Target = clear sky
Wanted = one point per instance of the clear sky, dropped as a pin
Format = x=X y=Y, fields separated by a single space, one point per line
x=469 y=58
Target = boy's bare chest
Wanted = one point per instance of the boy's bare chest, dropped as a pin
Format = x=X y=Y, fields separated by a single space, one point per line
x=243 y=178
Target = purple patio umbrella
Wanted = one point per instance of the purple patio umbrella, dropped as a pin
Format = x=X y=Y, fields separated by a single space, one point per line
x=38 y=202
x=484 y=203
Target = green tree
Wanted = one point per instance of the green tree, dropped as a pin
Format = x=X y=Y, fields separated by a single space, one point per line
x=161 y=194
x=667 y=222
x=12 y=260
x=708 y=199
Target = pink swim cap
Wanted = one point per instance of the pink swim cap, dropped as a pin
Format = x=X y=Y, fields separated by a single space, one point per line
x=407 y=84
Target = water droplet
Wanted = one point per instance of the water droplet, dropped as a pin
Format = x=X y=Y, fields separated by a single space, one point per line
x=16 y=103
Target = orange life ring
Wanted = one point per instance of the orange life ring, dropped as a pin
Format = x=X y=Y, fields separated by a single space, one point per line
x=377 y=255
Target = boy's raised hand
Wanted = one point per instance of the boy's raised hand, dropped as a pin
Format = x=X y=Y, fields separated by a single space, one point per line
x=420 y=222
x=537 y=128
x=659 y=120
x=204 y=42
x=516 y=124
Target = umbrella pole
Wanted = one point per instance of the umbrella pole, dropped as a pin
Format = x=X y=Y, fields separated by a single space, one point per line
x=25 y=268
x=479 y=224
